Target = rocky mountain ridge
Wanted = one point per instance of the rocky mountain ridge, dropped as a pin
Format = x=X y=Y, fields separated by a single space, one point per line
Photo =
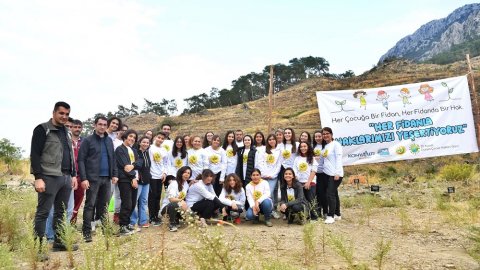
x=438 y=36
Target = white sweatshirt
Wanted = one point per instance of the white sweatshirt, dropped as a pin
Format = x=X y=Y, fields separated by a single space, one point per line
x=231 y=160
x=175 y=163
x=173 y=192
x=263 y=190
x=216 y=160
x=288 y=156
x=303 y=169
x=331 y=159
x=159 y=159
x=227 y=199
x=196 y=159
x=269 y=164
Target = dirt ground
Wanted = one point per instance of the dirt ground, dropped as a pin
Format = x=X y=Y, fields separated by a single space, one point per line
x=421 y=237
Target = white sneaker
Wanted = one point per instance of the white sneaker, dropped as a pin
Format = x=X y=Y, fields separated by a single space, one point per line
x=93 y=224
x=337 y=217
x=329 y=220
x=275 y=215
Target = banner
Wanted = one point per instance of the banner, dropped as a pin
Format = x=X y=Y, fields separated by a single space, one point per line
x=400 y=122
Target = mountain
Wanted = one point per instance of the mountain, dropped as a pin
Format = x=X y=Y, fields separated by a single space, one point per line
x=296 y=106
x=460 y=29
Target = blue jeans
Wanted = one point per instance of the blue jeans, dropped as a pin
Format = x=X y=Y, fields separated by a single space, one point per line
x=49 y=228
x=139 y=215
x=273 y=192
x=265 y=208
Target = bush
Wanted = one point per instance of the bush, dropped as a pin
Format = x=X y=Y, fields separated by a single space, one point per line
x=457 y=172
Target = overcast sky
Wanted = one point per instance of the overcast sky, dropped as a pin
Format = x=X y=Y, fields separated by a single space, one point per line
x=96 y=55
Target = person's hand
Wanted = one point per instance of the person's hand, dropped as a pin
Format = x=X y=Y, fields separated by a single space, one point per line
x=128 y=168
x=114 y=180
x=85 y=184
x=283 y=207
x=234 y=206
x=164 y=177
x=39 y=185
x=183 y=205
x=135 y=183
x=74 y=183
x=336 y=177
x=307 y=185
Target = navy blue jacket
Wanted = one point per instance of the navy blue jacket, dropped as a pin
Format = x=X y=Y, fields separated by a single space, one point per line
x=89 y=157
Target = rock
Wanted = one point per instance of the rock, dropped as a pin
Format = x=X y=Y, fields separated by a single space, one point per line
x=450 y=266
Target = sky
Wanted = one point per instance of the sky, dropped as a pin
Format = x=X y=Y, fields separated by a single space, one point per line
x=97 y=55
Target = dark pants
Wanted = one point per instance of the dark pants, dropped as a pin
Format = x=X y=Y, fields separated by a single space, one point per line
x=311 y=196
x=321 y=190
x=294 y=209
x=205 y=208
x=173 y=212
x=332 y=196
x=78 y=196
x=128 y=194
x=97 y=195
x=277 y=186
x=155 y=193
x=57 y=192
x=217 y=186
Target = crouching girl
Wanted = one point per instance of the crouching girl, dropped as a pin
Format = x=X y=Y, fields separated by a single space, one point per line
x=174 y=201
x=233 y=197
x=258 y=196
x=292 y=203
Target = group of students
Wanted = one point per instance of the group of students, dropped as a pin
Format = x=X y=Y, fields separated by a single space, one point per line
x=230 y=179
x=240 y=177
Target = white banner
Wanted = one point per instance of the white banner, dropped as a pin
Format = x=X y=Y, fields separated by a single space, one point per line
x=401 y=122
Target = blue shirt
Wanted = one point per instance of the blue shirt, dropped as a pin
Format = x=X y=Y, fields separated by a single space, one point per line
x=104 y=169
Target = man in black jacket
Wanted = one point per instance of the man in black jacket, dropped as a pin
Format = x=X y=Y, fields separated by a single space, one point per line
x=96 y=165
x=52 y=164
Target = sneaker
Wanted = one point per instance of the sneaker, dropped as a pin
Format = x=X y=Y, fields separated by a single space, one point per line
x=337 y=217
x=124 y=231
x=93 y=224
x=275 y=215
x=329 y=220
x=156 y=222
x=146 y=225
x=268 y=223
x=87 y=238
x=57 y=246
x=234 y=214
x=116 y=218
x=172 y=228
x=133 y=228
x=237 y=220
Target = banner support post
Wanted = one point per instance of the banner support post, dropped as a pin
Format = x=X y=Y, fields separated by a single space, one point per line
x=270 y=99
x=473 y=94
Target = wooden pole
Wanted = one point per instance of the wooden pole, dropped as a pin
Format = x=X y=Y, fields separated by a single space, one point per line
x=270 y=99
x=474 y=97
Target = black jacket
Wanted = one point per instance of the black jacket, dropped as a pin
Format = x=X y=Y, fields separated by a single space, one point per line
x=299 y=196
x=250 y=164
x=123 y=159
x=89 y=157
x=144 y=171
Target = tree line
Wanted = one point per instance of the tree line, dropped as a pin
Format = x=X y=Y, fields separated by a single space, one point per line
x=254 y=85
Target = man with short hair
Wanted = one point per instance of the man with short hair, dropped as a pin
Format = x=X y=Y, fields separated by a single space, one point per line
x=114 y=124
x=52 y=164
x=167 y=143
x=79 y=194
x=239 y=138
x=97 y=167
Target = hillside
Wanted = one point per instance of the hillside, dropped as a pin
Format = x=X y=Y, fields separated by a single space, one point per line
x=440 y=36
x=297 y=106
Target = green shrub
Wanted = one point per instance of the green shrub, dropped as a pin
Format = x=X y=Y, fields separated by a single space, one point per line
x=6 y=261
x=457 y=172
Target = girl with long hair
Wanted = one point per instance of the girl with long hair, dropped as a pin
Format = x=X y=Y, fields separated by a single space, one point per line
x=247 y=160
x=231 y=151
x=216 y=161
x=331 y=164
x=292 y=199
x=177 y=158
x=174 y=201
x=305 y=168
x=233 y=197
